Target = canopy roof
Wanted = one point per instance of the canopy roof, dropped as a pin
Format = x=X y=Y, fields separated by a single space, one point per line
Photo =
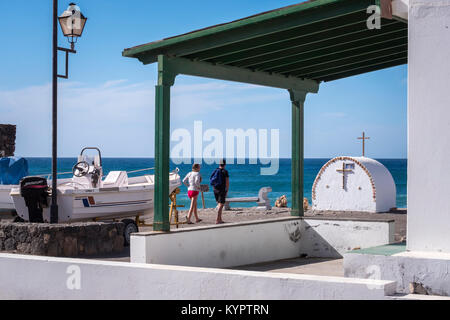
x=322 y=40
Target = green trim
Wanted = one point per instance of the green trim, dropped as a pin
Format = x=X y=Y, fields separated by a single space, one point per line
x=277 y=39
x=162 y=144
x=322 y=55
x=386 y=250
x=226 y=27
x=297 y=156
x=365 y=69
x=329 y=45
x=174 y=66
x=357 y=62
x=243 y=29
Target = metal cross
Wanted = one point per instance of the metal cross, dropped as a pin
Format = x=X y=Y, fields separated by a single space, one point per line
x=343 y=171
x=363 y=138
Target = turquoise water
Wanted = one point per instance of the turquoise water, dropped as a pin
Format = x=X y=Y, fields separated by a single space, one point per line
x=245 y=180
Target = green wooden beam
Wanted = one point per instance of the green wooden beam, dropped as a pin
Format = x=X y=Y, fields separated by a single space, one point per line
x=248 y=28
x=176 y=66
x=297 y=156
x=162 y=144
x=332 y=41
x=268 y=40
x=352 y=62
x=319 y=56
x=363 y=69
x=282 y=48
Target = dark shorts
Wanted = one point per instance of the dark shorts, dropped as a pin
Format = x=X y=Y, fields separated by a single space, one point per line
x=220 y=195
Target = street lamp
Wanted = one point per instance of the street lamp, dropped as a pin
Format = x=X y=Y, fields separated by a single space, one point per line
x=72 y=23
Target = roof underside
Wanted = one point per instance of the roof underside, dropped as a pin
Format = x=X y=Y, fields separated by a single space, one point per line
x=322 y=40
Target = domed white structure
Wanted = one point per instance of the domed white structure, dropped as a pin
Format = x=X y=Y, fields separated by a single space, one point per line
x=354 y=184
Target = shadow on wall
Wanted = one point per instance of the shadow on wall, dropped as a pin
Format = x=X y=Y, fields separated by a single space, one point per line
x=311 y=243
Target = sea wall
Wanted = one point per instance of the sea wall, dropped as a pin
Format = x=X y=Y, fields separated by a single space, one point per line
x=62 y=240
x=7 y=140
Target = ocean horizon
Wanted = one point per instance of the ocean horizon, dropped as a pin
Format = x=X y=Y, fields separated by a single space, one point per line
x=245 y=179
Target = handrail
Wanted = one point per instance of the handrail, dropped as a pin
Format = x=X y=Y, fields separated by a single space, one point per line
x=140 y=170
x=134 y=171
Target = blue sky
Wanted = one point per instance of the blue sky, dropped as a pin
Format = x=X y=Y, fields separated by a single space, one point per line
x=109 y=99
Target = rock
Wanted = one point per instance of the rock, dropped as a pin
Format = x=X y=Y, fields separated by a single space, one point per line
x=53 y=249
x=66 y=240
x=90 y=248
x=37 y=247
x=70 y=248
x=112 y=233
x=417 y=288
x=24 y=248
x=118 y=243
x=10 y=244
x=7 y=139
x=281 y=202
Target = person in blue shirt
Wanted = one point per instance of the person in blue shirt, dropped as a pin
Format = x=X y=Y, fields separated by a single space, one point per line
x=220 y=181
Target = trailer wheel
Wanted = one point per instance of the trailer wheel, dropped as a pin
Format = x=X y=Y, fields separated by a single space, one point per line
x=130 y=227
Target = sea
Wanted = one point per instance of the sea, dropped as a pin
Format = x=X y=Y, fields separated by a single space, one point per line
x=245 y=179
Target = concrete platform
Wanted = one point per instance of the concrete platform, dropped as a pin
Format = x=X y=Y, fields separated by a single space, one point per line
x=237 y=244
x=415 y=272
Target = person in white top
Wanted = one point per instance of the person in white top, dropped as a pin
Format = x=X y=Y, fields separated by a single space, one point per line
x=193 y=180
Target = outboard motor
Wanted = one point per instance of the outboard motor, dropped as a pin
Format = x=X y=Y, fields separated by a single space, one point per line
x=34 y=190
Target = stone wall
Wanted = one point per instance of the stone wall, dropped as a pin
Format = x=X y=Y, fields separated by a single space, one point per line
x=62 y=240
x=7 y=140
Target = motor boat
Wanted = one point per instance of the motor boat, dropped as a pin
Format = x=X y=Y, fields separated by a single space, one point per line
x=88 y=196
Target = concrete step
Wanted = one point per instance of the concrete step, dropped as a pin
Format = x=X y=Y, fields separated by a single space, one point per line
x=417 y=297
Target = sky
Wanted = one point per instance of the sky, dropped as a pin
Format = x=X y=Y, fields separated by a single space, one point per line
x=108 y=100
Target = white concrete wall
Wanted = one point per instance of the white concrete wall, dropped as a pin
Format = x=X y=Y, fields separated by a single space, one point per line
x=253 y=242
x=31 y=277
x=429 y=126
x=427 y=268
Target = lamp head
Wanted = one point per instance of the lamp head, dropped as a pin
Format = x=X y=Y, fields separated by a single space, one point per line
x=72 y=23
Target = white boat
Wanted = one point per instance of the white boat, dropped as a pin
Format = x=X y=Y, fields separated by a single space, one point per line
x=6 y=202
x=89 y=197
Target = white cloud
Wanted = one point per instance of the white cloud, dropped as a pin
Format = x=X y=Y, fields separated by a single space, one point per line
x=117 y=115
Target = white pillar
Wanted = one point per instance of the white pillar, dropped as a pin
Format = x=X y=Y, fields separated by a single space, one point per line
x=429 y=126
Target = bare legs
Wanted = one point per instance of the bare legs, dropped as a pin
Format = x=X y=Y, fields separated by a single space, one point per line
x=219 y=214
x=193 y=209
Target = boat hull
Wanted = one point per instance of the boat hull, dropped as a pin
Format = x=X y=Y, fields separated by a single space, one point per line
x=6 y=202
x=97 y=204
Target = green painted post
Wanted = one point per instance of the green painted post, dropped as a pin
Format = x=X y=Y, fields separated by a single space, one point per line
x=162 y=145
x=298 y=100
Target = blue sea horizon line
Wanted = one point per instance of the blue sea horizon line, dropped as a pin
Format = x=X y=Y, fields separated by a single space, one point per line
x=309 y=158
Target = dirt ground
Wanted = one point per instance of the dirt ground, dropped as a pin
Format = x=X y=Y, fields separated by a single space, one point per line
x=208 y=217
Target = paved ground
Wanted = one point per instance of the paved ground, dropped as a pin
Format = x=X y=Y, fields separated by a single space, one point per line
x=208 y=217
x=313 y=266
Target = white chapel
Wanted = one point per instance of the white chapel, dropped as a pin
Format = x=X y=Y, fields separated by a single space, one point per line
x=354 y=184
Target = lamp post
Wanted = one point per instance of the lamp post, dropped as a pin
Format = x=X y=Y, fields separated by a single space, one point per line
x=72 y=23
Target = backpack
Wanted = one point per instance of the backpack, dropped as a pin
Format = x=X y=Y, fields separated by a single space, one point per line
x=216 y=179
